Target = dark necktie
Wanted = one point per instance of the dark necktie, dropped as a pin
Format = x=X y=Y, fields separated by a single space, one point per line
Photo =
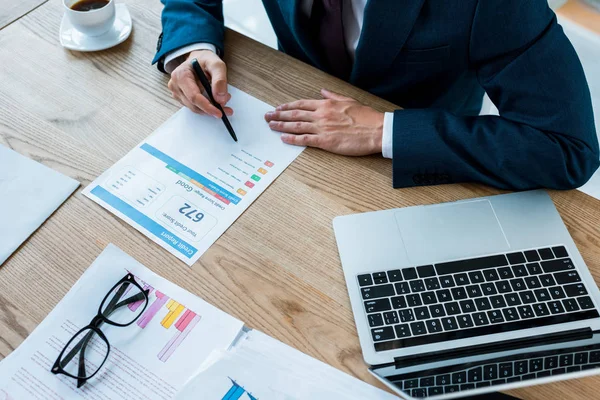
x=326 y=18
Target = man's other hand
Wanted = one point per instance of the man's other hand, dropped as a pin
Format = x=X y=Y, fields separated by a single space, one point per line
x=188 y=90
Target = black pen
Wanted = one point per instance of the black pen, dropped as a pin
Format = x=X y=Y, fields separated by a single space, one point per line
x=200 y=74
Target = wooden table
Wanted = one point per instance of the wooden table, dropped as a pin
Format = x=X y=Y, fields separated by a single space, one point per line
x=12 y=10
x=582 y=14
x=277 y=267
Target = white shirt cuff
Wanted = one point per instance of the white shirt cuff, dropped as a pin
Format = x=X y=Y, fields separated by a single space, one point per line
x=174 y=58
x=387 y=148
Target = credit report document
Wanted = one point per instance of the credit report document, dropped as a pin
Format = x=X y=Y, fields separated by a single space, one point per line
x=189 y=181
x=29 y=193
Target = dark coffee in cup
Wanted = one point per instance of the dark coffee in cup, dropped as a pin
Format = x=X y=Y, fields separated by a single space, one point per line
x=89 y=5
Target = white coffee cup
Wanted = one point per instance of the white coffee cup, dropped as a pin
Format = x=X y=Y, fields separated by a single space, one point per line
x=93 y=22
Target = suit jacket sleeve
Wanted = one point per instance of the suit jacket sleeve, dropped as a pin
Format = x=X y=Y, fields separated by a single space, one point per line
x=185 y=22
x=545 y=134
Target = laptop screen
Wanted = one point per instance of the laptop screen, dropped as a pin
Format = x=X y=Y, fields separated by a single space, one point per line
x=497 y=371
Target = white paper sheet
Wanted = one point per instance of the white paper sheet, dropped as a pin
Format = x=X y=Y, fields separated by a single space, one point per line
x=587 y=45
x=260 y=367
x=150 y=359
x=29 y=193
x=189 y=181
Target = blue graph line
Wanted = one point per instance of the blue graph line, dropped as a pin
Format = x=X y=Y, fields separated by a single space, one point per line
x=236 y=391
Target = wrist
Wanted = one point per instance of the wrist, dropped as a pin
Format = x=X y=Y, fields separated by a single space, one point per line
x=377 y=136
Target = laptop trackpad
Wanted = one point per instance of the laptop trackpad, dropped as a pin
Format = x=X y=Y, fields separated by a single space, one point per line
x=450 y=231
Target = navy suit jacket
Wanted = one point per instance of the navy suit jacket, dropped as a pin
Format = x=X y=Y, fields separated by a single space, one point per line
x=436 y=58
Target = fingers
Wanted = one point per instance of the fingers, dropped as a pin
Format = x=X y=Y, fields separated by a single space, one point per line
x=293 y=115
x=307 y=105
x=293 y=127
x=327 y=94
x=301 y=140
x=191 y=93
x=217 y=70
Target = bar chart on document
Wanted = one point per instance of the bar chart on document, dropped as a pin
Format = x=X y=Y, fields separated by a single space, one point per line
x=189 y=181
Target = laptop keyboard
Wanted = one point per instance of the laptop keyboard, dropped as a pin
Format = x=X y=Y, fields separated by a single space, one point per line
x=498 y=373
x=473 y=297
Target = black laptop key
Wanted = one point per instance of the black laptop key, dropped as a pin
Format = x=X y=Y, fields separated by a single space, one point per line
x=385 y=333
x=461 y=279
x=451 y=389
x=474 y=291
x=567 y=277
x=505 y=273
x=449 y=323
x=536 y=364
x=505 y=370
x=394 y=275
x=459 y=293
x=419 y=392
x=542 y=374
x=442 y=380
x=519 y=270
x=422 y=313
x=428 y=381
x=483 y=304
x=418 y=328
x=475 y=375
x=533 y=282
x=541 y=309
x=476 y=277
x=428 y=298
x=498 y=301
x=402 y=287
x=512 y=299
x=399 y=302
x=425 y=271
x=375 y=292
x=480 y=319
x=503 y=287
x=377 y=305
x=433 y=391
x=379 y=278
x=557 y=292
x=547 y=280
x=402 y=330
x=409 y=273
x=521 y=368
x=365 y=280
x=594 y=356
x=452 y=308
x=532 y=255
x=434 y=326
x=510 y=314
x=406 y=315
x=432 y=283
x=570 y=305
x=550 y=362
x=488 y=289
x=527 y=297
x=575 y=289
x=518 y=284
x=564 y=264
x=465 y=321
x=417 y=286
x=413 y=300
x=472 y=264
x=375 y=320
x=490 y=372
x=513 y=379
x=495 y=316
x=574 y=368
x=565 y=360
x=559 y=371
x=585 y=302
x=459 y=377
x=560 y=251
x=391 y=318
x=410 y=383
x=525 y=311
x=437 y=311
x=534 y=268
x=516 y=258
x=490 y=275
x=443 y=295
x=467 y=306
x=546 y=254
x=580 y=358
x=556 y=307
x=542 y=294
x=447 y=281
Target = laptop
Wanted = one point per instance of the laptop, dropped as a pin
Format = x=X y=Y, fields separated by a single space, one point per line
x=470 y=297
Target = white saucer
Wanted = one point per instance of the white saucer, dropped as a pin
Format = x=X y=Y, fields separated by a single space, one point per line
x=72 y=39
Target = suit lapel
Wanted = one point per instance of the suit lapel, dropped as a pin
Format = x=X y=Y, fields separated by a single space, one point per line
x=299 y=26
x=386 y=27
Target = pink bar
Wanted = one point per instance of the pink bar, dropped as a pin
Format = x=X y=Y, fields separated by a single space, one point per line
x=185 y=320
x=176 y=340
x=160 y=301
x=137 y=304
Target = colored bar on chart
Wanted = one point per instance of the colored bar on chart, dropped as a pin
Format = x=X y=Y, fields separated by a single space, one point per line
x=242 y=192
x=269 y=164
x=235 y=392
x=262 y=171
x=174 y=310
x=250 y=184
x=255 y=178
x=137 y=304
x=151 y=311
x=188 y=322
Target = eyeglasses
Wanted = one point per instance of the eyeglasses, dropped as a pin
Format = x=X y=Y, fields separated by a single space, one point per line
x=87 y=351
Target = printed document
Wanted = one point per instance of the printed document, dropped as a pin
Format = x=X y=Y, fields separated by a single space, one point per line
x=189 y=181
x=29 y=193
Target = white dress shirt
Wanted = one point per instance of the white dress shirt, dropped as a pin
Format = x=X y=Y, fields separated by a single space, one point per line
x=353 y=18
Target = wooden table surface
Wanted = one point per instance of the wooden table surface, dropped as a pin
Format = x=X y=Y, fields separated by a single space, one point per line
x=582 y=14
x=277 y=268
x=12 y=10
